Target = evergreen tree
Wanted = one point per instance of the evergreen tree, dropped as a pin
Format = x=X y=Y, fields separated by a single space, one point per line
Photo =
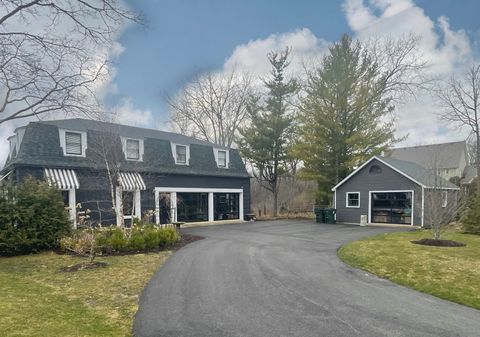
x=346 y=115
x=265 y=142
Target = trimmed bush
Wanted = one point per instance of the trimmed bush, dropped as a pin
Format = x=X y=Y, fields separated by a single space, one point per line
x=33 y=217
x=139 y=238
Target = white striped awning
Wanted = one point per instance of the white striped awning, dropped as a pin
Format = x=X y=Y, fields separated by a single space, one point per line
x=3 y=177
x=131 y=181
x=63 y=179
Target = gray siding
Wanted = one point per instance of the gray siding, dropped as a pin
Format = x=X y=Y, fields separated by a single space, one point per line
x=364 y=182
x=94 y=193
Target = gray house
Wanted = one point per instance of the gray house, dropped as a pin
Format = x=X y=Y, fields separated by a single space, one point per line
x=387 y=190
x=170 y=176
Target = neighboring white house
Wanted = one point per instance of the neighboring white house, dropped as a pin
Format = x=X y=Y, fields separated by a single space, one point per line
x=447 y=159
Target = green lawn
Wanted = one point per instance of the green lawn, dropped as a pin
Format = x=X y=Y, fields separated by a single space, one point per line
x=446 y=272
x=36 y=299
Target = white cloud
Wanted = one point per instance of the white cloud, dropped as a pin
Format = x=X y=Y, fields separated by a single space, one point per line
x=447 y=52
x=252 y=56
x=126 y=113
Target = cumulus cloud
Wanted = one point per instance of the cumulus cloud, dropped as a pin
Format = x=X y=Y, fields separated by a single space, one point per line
x=126 y=113
x=252 y=56
x=447 y=52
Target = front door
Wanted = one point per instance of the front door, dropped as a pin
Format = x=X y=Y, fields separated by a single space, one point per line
x=391 y=207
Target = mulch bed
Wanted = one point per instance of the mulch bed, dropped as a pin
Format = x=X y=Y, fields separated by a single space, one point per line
x=84 y=265
x=438 y=243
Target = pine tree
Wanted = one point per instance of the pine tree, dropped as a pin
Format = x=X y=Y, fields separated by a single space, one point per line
x=265 y=142
x=345 y=116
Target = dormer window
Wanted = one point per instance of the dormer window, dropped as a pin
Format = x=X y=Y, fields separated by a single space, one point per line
x=221 y=157
x=73 y=143
x=133 y=149
x=180 y=154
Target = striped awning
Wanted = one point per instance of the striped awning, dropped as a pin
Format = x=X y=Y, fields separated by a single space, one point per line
x=3 y=177
x=63 y=179
x=131 y=181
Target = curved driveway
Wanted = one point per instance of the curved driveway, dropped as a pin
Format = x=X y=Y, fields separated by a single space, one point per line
x=283 y=278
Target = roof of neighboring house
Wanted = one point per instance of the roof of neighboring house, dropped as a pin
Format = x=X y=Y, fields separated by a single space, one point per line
x=469 y=173
x=40 y=146
x=439 y=156
x=412 y=171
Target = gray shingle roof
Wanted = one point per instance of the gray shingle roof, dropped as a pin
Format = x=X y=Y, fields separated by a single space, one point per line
x=443 y=156
x=41 y=147
x=418 y=173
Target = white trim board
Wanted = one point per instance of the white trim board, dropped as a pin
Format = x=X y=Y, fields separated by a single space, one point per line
x=391 y=191
x=198 y=189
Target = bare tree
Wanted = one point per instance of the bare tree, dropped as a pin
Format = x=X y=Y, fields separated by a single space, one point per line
x=212 y=107
x=54 y=54
x=460 y=100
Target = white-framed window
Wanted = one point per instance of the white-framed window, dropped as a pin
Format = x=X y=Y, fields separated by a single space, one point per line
x=353 y=199
x=73 y=143
x=221 y=157
x=444 y=199
x=181 y=154
x=133 y=148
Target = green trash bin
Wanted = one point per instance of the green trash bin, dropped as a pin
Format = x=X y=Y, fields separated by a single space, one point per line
x=319 y=215
x=329 y=215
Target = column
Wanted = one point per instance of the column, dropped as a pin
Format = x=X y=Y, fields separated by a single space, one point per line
x=240 y=205
x=173 y=206
x=72 y=204
x=157 y=207
x=210 y=207
x=138 y=204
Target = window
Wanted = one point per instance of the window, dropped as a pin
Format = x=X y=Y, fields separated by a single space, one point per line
x=444 y=199
x=133 y=149
x=181 y=154
x=73 y=143
x=375 y=169
x=353 y=199
x=222 y=158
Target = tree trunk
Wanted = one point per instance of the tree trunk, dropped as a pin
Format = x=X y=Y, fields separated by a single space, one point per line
x=275 y=201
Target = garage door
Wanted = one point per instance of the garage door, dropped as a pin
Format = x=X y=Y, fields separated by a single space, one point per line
x=391 y=207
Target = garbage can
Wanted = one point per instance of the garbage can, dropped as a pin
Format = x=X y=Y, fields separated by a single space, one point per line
x=329 y=215
x=319 y=215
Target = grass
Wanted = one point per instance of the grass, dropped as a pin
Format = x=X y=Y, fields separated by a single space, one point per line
x=39 y=300
x=451 y=273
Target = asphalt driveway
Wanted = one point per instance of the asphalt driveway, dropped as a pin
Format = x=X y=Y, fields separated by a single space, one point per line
x=283 y=278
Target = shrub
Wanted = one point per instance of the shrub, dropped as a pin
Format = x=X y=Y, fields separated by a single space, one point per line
x=33 y=217
x=82 y=242
x=117 y=240
x=471 y=217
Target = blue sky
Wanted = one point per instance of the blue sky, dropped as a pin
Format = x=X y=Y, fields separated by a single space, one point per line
x=187 y=37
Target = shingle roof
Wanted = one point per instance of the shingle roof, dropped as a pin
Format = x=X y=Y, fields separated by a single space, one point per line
x=442 y=156
x=41 y=147
x=418 y=173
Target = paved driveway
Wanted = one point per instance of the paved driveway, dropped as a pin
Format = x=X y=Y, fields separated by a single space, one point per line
x=283 y=278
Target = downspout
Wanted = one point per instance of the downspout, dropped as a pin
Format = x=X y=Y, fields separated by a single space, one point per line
x=423 y=205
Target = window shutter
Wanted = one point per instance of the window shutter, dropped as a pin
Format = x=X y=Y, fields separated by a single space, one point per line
x=133 y=149
x=73 y=143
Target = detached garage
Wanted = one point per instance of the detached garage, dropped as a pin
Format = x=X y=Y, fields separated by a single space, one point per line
x=386 y=190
